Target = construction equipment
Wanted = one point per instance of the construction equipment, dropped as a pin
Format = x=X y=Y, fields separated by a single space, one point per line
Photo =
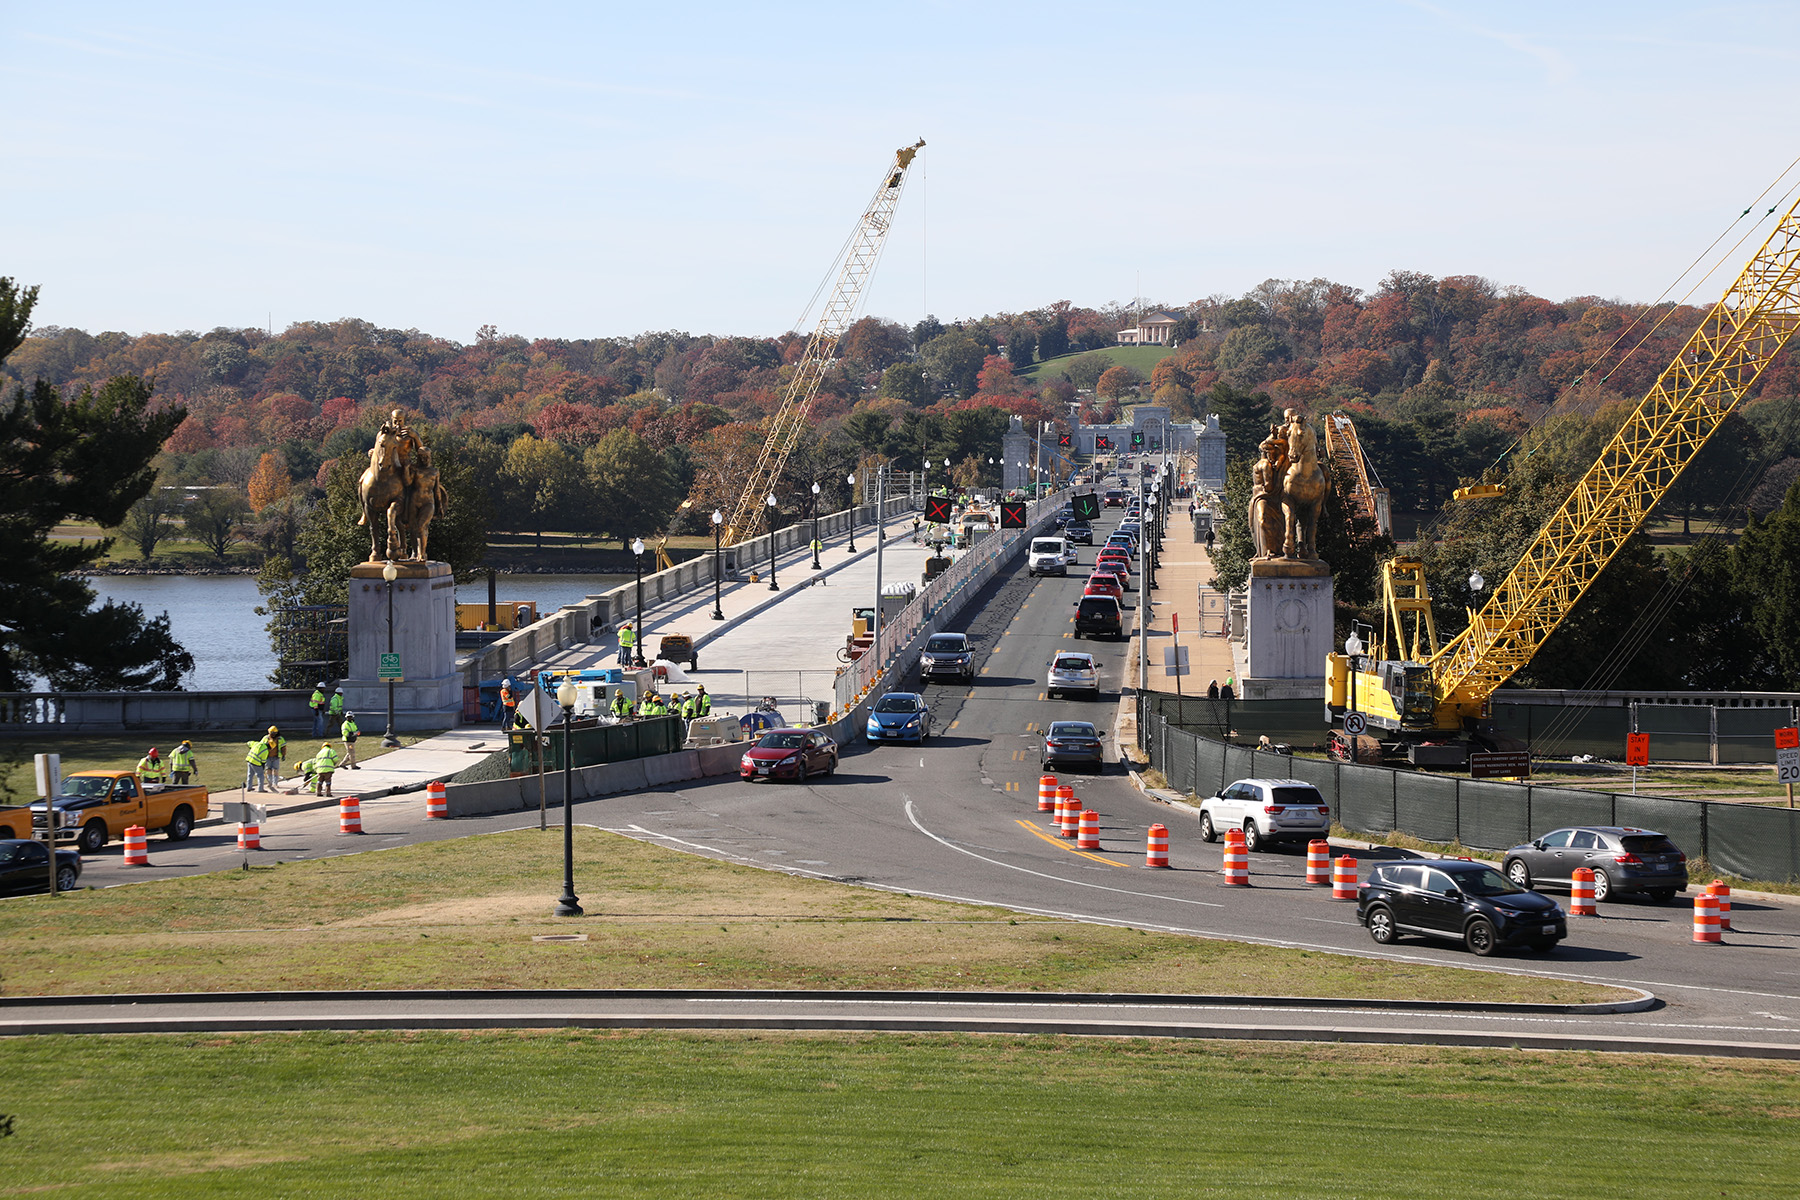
x=1427 y=691
x=789 y=421
x=1348 y=460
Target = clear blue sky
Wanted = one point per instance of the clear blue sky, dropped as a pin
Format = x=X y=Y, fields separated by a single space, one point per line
x=600 y=169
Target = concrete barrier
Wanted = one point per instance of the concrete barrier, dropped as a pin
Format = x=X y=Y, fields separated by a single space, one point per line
x=110 y=712
x=607 y=779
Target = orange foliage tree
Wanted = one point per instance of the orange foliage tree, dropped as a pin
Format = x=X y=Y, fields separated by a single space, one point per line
x=269 y=482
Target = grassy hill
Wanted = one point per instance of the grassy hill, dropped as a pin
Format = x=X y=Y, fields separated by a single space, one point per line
x=1143 y=358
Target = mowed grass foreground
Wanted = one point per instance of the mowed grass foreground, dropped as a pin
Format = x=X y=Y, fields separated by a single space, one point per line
x=667 y=1114
x=462 y=913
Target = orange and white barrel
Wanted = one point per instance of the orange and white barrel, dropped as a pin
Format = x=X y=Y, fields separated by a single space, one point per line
x=1065 y=798
x=1068 y=812
x=1088 y=837
x=1237 y=860
x=1721 y=893
x=137 y=847
x=249 y=836
x=1046 y=793
x=1581 y=893
x=1706 y=918
x=1156 y=851
x=437 y=802
x=349 y=815
x=1318 y=862
x=1343 y=878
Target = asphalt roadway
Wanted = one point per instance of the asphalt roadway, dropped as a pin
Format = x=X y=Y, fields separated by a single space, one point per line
x=957 y=819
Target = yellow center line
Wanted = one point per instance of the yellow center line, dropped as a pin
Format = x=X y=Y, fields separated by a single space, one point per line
x=1060 y=844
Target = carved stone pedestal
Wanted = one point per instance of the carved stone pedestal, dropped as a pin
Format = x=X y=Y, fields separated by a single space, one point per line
x=430 y=694
x=1288 y=629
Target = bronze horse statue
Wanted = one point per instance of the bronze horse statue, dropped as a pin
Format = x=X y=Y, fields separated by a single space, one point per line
x=383 y=485
x=1302 y=491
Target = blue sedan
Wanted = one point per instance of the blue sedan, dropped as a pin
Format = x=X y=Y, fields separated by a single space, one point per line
x=900 y=717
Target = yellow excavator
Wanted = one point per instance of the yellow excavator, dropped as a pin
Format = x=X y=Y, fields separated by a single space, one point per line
x=1417 y=690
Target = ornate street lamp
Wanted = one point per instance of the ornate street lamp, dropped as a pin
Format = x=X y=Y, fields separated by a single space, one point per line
x=389 y=573
x=815 y=524
x=637 y=651
x=851 y=480
x=567 y=905
x=771 y=503
x=718 y=523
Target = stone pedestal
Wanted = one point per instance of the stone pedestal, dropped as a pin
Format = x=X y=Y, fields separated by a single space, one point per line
x=424 y=636
x=1288 y=620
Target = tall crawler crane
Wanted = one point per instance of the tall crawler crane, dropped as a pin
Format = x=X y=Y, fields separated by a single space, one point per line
x=789 y=421
x=1428 y=690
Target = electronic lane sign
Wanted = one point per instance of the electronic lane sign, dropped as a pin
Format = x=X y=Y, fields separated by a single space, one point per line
x=1103 y=443
x=937 y=509
x=1065 y=441
x=1012 y=516
x=1087 y=507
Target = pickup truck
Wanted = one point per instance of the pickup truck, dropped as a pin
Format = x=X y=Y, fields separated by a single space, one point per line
x=98 y=806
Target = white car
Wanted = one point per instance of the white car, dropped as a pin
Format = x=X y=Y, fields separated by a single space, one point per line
x=1072 y=671
x=1049 y=556
x=1269 y=811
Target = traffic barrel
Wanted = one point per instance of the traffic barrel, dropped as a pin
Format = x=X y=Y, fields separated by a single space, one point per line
x=1068 y=812
x=1046 y=793
x=349 y=815
x=1343 y=878
x=1318 y=862
x=1706 y=918
x=1721 y=892
x=137 y=847
x=1237 y=860
x=1156 y=851
x=1065 y=798
x=437 y=802
x=249 y=836
x=1581 y=893
x=1089 y=835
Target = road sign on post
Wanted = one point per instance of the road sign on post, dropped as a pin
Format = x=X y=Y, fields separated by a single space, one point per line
x=390 y=669
x=1500 y=764
x=1637 y=749
x=1787 y=760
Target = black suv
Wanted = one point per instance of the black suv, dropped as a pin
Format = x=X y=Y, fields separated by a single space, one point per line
x=1079 y=531
x=1099 y=616
x=1460 y=900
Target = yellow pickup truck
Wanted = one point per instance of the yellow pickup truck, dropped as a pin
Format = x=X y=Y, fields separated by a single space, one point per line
x=97 y=806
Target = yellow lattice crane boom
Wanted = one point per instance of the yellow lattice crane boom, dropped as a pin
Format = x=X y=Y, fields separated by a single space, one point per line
x=1345 y=451
x=789 y=421
x=1690 y=399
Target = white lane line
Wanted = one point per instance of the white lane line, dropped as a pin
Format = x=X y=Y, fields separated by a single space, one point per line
x=914 y=818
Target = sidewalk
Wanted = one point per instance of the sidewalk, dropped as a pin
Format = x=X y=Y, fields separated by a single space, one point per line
x=391 y=778
x=1186 y=573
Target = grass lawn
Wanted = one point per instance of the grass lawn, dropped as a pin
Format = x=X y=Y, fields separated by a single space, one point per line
x=462 y=914
x=1142 y=358
x=218 y=755
x=602 y=1113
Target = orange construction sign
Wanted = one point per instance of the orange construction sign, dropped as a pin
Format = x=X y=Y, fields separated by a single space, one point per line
x=1637 y=749
x=1787 y=739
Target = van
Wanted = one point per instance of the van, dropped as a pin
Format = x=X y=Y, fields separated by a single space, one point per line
x=1048 y=556
x=1099 y=616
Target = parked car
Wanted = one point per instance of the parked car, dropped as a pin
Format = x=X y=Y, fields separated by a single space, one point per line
x=25 y=867
x=789 y=754
x=1079 y=531
x=1458 y=900
x=1072 y=671
x=1104 y=583
x=1099 y=616
x=947 y=654
x=1269 y=811
x=1048 y=556
x=1073 y=743
x=1623 y=859
x=899 y=717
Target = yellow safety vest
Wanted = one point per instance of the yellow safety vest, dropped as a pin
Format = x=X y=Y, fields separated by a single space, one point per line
x=627 y=636
x=181 y=759
x=350 y=730
x=325 y=760
x=259 y=753
x=150 y=771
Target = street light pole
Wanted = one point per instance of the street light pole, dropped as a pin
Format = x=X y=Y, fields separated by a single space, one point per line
x=771 y=504
x=718 y=523
x=568 y=905
x=637 y=651
x=815 y=524
x=389 y=573
x=851 y=480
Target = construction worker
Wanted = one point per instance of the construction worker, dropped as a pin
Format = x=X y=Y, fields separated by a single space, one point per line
x=627 y=643
x=181 y=764
x=350 y=732
x=621 y=705
x=317 y=704
x=334 y=711
x=323 y=764
x=684 y=705
x=277 y=755
x=702 y=702
x=509 y=702
x=150 y=769
x=255 y=760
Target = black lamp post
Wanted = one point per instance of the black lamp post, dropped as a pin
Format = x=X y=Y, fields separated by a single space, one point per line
x=637 y=651
x=815 y=524
x=718 y=523
x=851 y=480
x=567 y=905
x=389 y=573
x=771 y=504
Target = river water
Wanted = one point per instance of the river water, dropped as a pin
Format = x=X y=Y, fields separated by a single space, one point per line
x=214 y=616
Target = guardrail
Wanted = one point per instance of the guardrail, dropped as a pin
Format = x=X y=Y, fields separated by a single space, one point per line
x=27 y=713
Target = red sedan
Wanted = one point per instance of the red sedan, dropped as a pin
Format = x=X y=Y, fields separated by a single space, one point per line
x=789 y=754
x=1104 y=585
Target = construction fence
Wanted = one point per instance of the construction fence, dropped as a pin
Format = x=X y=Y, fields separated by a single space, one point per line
x=1748 y=840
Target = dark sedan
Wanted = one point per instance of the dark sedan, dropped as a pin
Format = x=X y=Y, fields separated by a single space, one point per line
x=1079 y=531
x=1457 y=900
x=1073 y=743
x=1623 y=859
x=789 y=754
x=25 y=867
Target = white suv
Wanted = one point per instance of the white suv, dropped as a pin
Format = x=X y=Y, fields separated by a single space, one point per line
x=1072 y=671
x=1269 y=811
x=1049 y=556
